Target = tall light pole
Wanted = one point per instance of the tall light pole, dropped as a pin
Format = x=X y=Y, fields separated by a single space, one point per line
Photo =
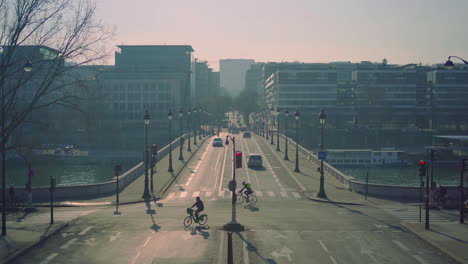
x=322 y=193
x=189 y=121
x=278 y=111
x=169 y=116
x=272 y=124
x=286 y=113
x=296 y=115
x=449 y=64
x=181 y=141
x=233 y=225
x=146 y=119
x=195 y=125
x=267 y=120
x=27 y=68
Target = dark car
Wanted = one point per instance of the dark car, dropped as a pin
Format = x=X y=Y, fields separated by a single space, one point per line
x=246 y=135
x=218 y=142
x=254 y=160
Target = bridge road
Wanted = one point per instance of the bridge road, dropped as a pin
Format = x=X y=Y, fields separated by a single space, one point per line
x=283 y=227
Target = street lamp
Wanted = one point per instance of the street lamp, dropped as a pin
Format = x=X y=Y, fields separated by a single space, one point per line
x=233 y=225
x=277 y=130
x=169 y=116
x=195 y=125
x=146 y=119
x=296 y=115
x=267 y=120
x=27 y=68
x=189 y=149
x=321 y=193
x=181 y=141
x=272 y=124
x=449 y=64
x=286 y=113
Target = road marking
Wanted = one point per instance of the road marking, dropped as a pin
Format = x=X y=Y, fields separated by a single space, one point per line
x=284 y=195
x=323 y=245
x=419 y=259
x=71 y=241
x=195 y=194
x=114 y=237
x=271 y=194
x=258 y=193
x=147 y=241
x=333 y=259
x=398 y=243
x=208 y=194
x=170 y=196
x=221 y=193
x=85 y=230
x=136 y=257
x=222 y=171
x=182 y=194
x=296 y=195
x=49 y=258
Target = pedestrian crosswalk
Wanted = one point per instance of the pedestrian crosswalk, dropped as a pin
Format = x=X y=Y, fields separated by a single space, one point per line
x=226 y=194
x=412 y=214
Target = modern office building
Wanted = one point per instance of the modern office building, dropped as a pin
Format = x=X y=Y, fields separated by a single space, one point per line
x=233 y=74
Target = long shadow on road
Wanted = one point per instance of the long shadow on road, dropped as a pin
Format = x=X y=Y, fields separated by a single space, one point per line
x=152 y=212
x=252 y=248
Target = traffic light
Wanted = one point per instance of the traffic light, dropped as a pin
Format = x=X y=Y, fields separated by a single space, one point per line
x=155 y=150
x=434 y=155
x=238 y=159
x=422 y=168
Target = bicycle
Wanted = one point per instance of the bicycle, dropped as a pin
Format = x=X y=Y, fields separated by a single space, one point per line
x=440 y=199
x=202 y=219
x=252 y=199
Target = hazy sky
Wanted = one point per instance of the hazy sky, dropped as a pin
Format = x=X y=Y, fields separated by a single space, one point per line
x=403 y=31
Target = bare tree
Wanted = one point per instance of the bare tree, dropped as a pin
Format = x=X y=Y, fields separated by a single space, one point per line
x=56 y=37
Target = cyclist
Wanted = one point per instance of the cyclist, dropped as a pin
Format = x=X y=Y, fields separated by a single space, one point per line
x=248 y=189
x=200 y=207
x=441 y=194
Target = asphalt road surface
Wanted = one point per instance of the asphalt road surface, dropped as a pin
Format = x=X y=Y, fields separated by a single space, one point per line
x=283 y=227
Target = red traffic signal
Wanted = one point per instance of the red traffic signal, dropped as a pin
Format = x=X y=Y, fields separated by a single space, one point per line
x=422 y=168
x=422 y=162
x=238 y=159
x=239 y=154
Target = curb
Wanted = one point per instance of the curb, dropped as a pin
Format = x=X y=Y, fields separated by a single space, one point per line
x=434 y=244
x=331 y=202
x=19 y=253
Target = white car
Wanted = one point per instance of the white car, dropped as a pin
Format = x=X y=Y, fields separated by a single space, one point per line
x=218 y=142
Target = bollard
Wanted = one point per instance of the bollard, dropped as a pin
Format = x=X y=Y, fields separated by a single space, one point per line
x=229 y=255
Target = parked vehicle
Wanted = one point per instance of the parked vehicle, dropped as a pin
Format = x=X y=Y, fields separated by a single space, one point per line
x=254 y=161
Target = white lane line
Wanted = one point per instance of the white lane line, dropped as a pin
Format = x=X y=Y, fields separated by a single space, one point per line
x=271 y=194
x=296 y=195
x=85 y=230
x=170 y=196
x=284 y=195
x=419 y=259
x=277 y=180
x=333 y=259
x=182 y=194
x=195 y=194
x=136 y=257
x=208 y=194
x=246 y=253
x=146 y=242
x=221 y=193
x=217 y=168
x=258 y=193
x=323 y=245
x=398 y=243
x=49 y=258
x=220 y=249
x=71 y=241
x=222 y=171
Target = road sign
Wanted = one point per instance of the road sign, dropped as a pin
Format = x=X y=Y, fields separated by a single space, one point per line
x=322 y=155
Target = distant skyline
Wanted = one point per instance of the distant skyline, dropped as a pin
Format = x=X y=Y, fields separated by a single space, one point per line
x=417 y=31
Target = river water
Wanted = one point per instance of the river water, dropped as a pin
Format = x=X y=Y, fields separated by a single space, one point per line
x=402 y=175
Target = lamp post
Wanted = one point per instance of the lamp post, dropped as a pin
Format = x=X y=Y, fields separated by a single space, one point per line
x=449 y=64
x=154 y=156
x=233 y=225
x=277 y=129
x=27 y=68
x=296 y=115
x=272 y=124
x=181 y=141
x=267 y=120
x=195 y=125
x=189 y=149
x=286 y=113
x=146 y=194
x=322 y=193
x=169 y=116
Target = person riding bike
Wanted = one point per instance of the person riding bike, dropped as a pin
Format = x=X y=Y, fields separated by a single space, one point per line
x=441 y=194
x=248 y=189
x=200 y=207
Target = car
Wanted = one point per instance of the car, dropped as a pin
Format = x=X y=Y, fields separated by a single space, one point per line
x=254 y=160
x=218 y=142
x=246 y=135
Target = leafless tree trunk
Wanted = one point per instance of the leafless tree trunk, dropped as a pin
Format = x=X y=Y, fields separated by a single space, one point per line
x=56 y=36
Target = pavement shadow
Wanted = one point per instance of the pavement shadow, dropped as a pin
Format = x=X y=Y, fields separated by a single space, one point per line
x=150 y=211
x=199 y=230
x=21 y=218
x=177 y=182
x=371 y=217
x=252 y=248
x=258 y=169
x=252 y=208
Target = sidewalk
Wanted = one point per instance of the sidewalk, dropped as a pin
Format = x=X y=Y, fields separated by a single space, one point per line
x=23 y=234
x=451 y=238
